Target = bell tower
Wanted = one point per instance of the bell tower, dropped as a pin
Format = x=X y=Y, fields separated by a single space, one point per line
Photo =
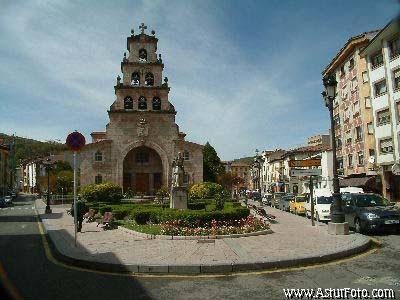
x=142 y=88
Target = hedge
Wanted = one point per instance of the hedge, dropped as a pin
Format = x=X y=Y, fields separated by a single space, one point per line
x=107 y=192
x=197 y=205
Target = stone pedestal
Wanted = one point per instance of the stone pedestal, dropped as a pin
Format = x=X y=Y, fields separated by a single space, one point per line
x=179 y=198
x=338 y=228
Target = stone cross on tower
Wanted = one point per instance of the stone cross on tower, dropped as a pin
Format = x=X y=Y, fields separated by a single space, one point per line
x=142 y=28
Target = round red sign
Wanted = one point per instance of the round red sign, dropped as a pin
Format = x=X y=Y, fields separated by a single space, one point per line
x=75 y=141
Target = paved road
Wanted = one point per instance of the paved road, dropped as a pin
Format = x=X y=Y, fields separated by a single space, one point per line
x=23 y=259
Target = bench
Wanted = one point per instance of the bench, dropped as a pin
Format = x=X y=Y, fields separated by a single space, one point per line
x=90 y=216
x=107 y=221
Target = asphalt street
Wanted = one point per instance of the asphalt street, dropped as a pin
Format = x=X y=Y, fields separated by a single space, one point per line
x=26 y=268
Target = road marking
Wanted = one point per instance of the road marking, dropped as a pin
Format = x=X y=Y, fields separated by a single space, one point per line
x=52 y=259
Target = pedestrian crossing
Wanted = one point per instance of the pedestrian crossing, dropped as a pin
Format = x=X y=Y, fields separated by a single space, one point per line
x=17 y=208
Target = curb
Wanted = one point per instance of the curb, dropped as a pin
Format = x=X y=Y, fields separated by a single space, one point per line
x=199 y=269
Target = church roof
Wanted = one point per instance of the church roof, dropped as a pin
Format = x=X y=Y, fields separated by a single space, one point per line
x=105 y=141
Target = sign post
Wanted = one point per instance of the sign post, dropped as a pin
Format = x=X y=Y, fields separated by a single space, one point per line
x=75 y=142
x=312 y=201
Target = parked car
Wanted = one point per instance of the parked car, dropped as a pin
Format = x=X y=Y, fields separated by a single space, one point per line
x=266 y=199
x=8 y=200
x=276 y=199
x=297 y=205
x=322 y=205
x=2 y=202
x=370 y=212
x=284 y=203
x=256 y=196
x=351 y=190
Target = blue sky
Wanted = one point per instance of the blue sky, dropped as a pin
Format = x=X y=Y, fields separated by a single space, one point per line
x=243 y=74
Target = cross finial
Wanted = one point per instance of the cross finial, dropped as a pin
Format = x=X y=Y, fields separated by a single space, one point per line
x=142 y=27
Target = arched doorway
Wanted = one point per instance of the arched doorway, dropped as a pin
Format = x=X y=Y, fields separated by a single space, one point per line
x=142 y=170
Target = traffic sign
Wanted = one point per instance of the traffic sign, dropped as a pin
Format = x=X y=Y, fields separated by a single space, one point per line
x=306 y=163
x=305 y=172
x=75 y=141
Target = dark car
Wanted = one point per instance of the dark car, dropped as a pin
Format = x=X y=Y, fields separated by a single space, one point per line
x=2 y=202
x=370 y=212
x=284 y=203
x=276 y=199
x=256 y=196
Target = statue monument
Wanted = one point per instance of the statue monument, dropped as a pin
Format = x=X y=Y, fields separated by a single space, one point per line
x=179 y=193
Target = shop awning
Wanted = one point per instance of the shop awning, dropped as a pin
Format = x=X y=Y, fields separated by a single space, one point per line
x=356 y=181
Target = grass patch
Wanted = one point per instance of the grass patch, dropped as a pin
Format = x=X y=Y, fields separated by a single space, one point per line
x=146 y=228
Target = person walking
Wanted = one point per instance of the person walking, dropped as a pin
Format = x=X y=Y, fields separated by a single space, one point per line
x=81 y=210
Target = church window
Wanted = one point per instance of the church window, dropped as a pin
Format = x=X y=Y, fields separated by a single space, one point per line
x=186 y=179
x=128 y=103
x=142 y=103
x=186 y=155
x=98 y=156
x=156 y=103
x=98 y=179
x=142 y=157
x=135 y=79
x=142 y=55
x=149 y=79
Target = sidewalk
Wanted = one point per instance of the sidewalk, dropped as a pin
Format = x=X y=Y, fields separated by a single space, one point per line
x=294 y=242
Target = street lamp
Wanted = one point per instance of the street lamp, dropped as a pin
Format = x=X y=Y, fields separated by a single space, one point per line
x=48 y=166
x=337 y=224
x=257 y=165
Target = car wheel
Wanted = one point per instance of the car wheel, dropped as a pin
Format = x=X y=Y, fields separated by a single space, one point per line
x=357 y=226
x=307 y=216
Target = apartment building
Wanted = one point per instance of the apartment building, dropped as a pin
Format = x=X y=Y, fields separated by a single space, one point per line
x=383 y=59
x=352 y=110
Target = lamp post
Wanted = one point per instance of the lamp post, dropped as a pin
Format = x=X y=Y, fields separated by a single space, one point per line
x=48 y=165
x=257 y=166
x=337 y=224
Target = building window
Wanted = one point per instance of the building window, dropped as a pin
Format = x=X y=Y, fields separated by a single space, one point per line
x=186 y=179
x=142 y=103
x=98 y=156
x=128 y=103
x=348 y=140
x=336 y=120
x=356 y=108
x=371 y=152
x=396 y=79
x=383 y=117
x=98 y=179
x=339 y=143
x=351 y=66
x=142 y=55
x=380 y=88
x=386 y=146
x=360 y=158
x=142 y=157
x=359 y=134
x=350 y=160
x=370 y=128
x=156 y=103
x=367 y=102
x=342 y=72
x=377 y=59
x=135 y=79
x=186 y=155
x=365 y=76
x=149 y=79
x=394 y=47
x=398 y=110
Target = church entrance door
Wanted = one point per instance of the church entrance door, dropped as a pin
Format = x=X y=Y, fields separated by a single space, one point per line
x=143 y=171
x=142 y=183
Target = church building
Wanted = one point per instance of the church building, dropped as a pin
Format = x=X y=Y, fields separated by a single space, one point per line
x=141 y=139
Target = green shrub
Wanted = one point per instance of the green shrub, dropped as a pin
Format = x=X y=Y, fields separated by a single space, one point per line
x=103 y=209
x=144 y=216
x=107 y=192
x=204 y=190
x=120 y=213
x=130 y=193
x=162 y=193
x=197 y=205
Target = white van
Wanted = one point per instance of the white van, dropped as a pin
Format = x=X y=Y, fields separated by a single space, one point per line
x=351 y=190
x=322 y=205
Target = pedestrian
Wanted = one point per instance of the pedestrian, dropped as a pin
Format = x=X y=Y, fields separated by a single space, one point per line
x=81 y=210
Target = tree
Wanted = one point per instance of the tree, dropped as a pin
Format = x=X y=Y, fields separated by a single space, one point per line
x=65 y=182
x=212 y=166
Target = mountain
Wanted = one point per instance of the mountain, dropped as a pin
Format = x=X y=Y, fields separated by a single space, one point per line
x=28 y=148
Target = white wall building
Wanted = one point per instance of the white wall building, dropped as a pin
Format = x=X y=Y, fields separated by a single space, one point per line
x=383 y=58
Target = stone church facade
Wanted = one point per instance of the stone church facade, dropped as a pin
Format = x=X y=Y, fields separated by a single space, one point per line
x=141 y=139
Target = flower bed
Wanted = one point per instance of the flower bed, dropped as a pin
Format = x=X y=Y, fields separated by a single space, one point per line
x=183 y=228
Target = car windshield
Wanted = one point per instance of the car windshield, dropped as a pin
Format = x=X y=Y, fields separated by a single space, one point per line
x=300 y=199
x=324 y=200
x=369 y=200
